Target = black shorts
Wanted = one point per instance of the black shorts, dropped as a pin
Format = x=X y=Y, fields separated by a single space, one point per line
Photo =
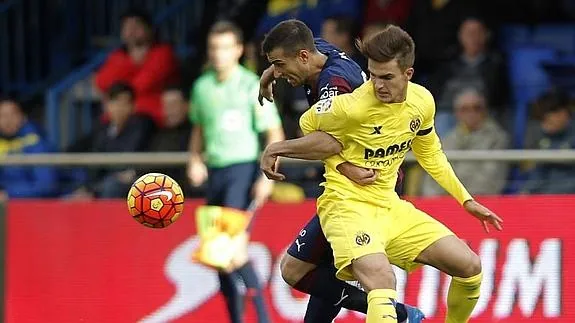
x=311 y=245
x=231 y=186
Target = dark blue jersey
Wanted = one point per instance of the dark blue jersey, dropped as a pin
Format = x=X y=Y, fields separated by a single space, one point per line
x=339 y=75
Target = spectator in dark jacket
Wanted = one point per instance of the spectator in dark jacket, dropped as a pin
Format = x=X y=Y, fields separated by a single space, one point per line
x=148 y=66
x=124 y=132
x=175 y=136
x=19 y=136
x=557 y=131
x=476 y=67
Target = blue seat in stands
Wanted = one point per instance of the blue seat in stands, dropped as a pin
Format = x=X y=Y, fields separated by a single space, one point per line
x=512 y=36
x=560 y=37
x=528 y=80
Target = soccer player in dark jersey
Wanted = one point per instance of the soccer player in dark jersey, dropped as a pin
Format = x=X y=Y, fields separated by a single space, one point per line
x=324 y=71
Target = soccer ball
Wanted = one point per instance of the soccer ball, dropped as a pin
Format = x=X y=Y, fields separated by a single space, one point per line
x=155 y=200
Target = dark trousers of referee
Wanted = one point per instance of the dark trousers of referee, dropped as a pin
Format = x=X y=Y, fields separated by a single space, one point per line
x=231 y=187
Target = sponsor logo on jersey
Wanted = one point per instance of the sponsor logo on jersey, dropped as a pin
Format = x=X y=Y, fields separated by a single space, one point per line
x=328 y=92
x=387 y=151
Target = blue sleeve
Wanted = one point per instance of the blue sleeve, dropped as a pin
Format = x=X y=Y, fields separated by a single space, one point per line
x=331 y=85
x=43 y=180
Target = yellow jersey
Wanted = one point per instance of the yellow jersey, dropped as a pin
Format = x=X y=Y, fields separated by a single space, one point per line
x=378 y=135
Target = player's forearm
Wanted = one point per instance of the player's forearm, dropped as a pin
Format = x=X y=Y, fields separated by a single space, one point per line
x=429 y=155
x=314 y=146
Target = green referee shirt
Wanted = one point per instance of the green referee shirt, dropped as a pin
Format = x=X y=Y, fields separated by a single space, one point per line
x=231 y=117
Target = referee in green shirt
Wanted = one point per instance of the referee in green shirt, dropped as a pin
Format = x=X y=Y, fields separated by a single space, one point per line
x=227 y=122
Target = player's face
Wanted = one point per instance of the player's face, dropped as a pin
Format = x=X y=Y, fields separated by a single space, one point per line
x=175 y=108
x=11 y=118
x=389 y=80
x=293 y=68
x=224 y=51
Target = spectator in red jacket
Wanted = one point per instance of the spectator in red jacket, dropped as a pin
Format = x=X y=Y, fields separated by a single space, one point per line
x=148 y=66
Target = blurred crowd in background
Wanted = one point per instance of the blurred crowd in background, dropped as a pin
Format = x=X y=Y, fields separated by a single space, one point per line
x=140 y=96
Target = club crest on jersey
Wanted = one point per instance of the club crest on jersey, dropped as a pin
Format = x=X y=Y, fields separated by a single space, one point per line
x=362 y=238
x=323 y=106
x=414 y=125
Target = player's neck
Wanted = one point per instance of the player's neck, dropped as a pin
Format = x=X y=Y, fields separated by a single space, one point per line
x=317 y=62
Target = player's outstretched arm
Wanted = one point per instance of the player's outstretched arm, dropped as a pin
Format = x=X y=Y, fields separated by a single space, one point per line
x=427 y=150
x=316 y=145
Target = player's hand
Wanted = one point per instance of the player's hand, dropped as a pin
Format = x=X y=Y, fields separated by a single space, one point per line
x=269 y=164
x=267 y=83
x=484 y=215
x=359 y=175
x=262 y=190
x=197 y=172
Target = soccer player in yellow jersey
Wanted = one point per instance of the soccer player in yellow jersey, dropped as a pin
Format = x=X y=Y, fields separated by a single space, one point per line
x=370 y=227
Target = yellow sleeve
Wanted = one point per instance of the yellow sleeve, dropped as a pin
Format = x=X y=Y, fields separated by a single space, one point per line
x=427 y=150
x=334 y=161
x=308 y=122
x=325 y=115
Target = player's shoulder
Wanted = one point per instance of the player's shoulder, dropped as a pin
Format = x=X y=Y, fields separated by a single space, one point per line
x=418 y=92
x=348 y=102
x=419 y=97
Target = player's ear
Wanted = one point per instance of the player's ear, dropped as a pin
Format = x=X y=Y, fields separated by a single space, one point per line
x=304 y=56
x=409 y=73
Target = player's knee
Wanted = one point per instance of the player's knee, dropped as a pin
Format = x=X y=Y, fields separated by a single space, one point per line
x=472 y=266
x=290 y=270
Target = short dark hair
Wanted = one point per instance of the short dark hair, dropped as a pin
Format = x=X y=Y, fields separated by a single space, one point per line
x=549 y=102
x=178 y=88
x=119 y=88
x=345 y=24
x=388 y=44
x=140 y=14
x=8 y=98
x=224 y=27
x=291 y=36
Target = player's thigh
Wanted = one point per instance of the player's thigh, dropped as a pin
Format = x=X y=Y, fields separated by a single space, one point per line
x=310 y=245
x=240 y=179
x=452 y=256
x=374 y=271
x=294 y=269
x=353 y=230
x=412 y=232
x=309 y=249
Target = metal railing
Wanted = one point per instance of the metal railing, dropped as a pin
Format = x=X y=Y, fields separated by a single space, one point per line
x=181 y=158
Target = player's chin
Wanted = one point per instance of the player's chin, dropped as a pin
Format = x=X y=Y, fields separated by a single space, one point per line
x=385 y=98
